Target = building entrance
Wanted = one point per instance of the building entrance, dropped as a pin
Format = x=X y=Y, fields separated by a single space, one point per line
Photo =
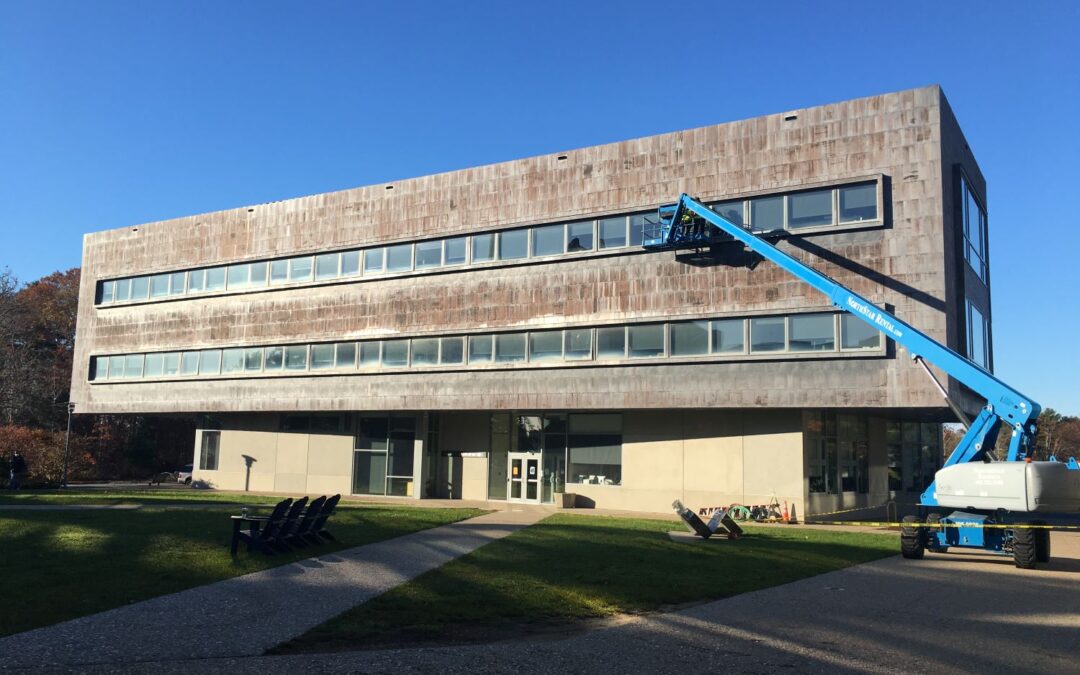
x=523 y=477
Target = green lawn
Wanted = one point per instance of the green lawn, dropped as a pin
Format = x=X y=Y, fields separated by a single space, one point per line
x=122 y=495
x=57 y=565
x=570 y=567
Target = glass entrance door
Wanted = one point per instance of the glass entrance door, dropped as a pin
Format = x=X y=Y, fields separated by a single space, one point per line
x=523 y=477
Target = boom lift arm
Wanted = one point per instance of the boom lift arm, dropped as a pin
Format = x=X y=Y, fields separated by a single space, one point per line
x=682 y=226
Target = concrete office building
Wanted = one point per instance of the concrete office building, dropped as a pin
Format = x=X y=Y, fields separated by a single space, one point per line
x=499 y=333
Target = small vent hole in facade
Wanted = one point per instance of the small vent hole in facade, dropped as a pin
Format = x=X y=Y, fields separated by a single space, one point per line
x=561 y=157
x=790 y=118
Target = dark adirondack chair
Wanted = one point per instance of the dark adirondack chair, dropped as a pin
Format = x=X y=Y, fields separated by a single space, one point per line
x=288 y=525
x=262 y=539
x=298 y=536
x=319 y=533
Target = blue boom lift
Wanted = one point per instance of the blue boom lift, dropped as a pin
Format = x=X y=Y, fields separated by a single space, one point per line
x=995 y=498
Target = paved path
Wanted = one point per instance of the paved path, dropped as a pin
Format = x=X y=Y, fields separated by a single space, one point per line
x=249 y=614
x=953 y=613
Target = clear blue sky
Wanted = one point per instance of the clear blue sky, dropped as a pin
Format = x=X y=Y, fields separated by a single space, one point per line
x=117 y=113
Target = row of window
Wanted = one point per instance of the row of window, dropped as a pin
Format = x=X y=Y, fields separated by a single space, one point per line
x=812 y=208
x=800 y=333
x=975 y=234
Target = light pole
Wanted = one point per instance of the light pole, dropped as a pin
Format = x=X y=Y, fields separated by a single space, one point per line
x=67 y=443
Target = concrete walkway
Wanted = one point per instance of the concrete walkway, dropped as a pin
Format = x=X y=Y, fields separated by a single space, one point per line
x=951 y=613
x=249 y=614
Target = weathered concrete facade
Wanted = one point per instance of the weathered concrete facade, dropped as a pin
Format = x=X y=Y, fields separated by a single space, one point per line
x=908 y=143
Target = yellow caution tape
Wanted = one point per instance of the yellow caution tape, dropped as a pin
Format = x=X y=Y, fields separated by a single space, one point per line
x=858 y=508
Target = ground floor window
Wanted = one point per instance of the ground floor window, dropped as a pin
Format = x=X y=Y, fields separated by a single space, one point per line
x=837 y=452
x=383 y=455
x=208 y=455
x=914 y=450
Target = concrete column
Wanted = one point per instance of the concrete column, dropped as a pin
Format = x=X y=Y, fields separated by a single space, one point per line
x=419 y=445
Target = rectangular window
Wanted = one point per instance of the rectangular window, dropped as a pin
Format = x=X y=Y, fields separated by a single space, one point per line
x=373 y=260
x=399 y=258
x=215 y=279
x=189 y=363
x=454 y=251
x=858 y=203
x=612 y=232
x=611 y=342
x=322 y=357
x=238 y=276
x=258 y=273
x=172 y=364
x=978 y=328
x=275 y=358
x=139 y=288
x=133 y=365
x=196 y=281
x=646 y=341
x=253 y=357
x=690 y=338
x=350 y=263
x=510 y=347
x=300 y=269
x=176 y=283
x=116 y=367
x=513 y=245
x=429 y=254
x=812 y=333
x=578 y=344
x=810 y=209
x=296 y=357
x=395 y=353
x=728 y=336
x=210 y=362
x=232 y=360
x=856 y=334
x=642 y=226
x=767 y=213
x=155 y=365
x=483 y=247
x=208 y=454
x=545 y=346
x=579 y=236
x=327 y=265
x=975 y=234
x=159 y=285
x=480 y=349
x=452 y=350
x=767 y=334
x=106 y=292
x=279 y=271
x=594 y=449
x=370 y=354
x=345 y=355
x=731 y=211
x=425 y=351
x=123 y=290
x=548 y=240
x=99 y=368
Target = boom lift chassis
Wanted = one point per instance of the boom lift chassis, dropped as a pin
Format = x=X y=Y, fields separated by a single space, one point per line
x=992 y=518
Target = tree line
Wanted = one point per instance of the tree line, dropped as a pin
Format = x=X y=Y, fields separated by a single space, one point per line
x=37 y=340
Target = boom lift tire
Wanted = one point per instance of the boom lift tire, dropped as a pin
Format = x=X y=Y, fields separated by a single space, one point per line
x=1042 y=543
x=933 y=526
x=912 y=539
x=1024 y=548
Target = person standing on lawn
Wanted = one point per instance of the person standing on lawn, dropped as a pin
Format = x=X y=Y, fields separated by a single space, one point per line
x=18 y=470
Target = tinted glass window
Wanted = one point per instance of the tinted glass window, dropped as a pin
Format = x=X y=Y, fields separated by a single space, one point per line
x=858 y=202
x=345 y=355
x=513 y=244
x=275 y=357
x=232 y=360
x=731 y=211
x=395 y=353
x=350 y=263
x=373 y=261
x=326 y=265
x=727 y=336
x=690 y=338
x=547 y=240
x=106 y=291
x=767 y=334
x=856 y=334
x=483 y=247
x=767 y=213
x=811 y=333
x=399 y=258
x=579 y=236
x=425 y=351
x=139 y=288
x=215 y=279
x=279 y=271
x=210 y=362
x=370 y=354
x=155 y=365
x=578 y=344
x=480 y=349
x=428 y=254
x=545 y=346
x=296 y=357
x=611 y=343
x=253 y=359
x=455 y=251
x=510 y=347
x=123 y=290
x=612 y=232
x=809 y=209
x=189 y=363
x=196 y=281
x=238 y=276
x=453 y=350
x=176 y=283
x=646 y=341
x=159 y=285
x=322 y=357
x=300 y=269
x=258 y=274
